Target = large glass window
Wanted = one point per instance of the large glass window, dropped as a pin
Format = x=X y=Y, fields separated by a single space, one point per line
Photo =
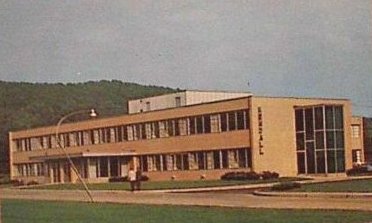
x=324 y=152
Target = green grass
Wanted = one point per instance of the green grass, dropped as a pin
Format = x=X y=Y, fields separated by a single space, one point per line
x=17 y=211
x=364 y=185
x=156 y=185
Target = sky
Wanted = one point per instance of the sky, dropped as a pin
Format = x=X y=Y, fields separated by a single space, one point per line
x=298 y=48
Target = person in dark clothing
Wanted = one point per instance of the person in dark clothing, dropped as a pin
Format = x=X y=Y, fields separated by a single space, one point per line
x=132 y=179
x=138 y=179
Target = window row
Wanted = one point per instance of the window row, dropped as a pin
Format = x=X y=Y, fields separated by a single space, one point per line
x=329 y=139
x=118 y=166
x=29 y=169
x=322 y=161
x=211 y=123
x=318 y=118
x=203 y=160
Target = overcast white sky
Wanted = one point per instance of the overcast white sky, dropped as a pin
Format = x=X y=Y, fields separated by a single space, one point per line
x=318 y=48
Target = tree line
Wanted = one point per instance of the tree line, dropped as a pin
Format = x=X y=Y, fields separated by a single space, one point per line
x=28 y=105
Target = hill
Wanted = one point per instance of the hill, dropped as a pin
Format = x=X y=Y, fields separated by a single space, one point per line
x=28 y=105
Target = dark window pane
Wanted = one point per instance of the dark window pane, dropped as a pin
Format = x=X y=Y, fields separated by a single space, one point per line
x=201 y=161
x=300 y=141
x=319 y=118
x=170 y=127
x=178 y=162
x=240 y=119
x=176 y=128
x=223 y=122
x=192 y=125
x=309 y=125
x=143 y=131
x=340 y=139
x=114 y=167
x=299 y=120
x=330 y=138
x=225 y=163
x=199 y=124
x=207 y=124
x=319 y=138
x=232 y=124
x=329 y=117
x=103 y=167
x=331 y=164
x=145 y=167
x=185 y=158
x=156 y=126
x=310 y=161
x=340 y=160
x=157 y=162
x=339 y=120
x=120 y=134
x=301 y=163
x=242 y=158
x=216 y=159
x=320 y=162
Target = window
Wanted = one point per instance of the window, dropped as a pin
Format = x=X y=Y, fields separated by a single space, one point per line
x=320 y=139
x=207 y=124
x=241 y=123
x=148 y=106
x=178 y=101
x=224 y=122
x=199 y=124
x=232 y=121
x=355 y=131
x=215 y=123
x=356 y=156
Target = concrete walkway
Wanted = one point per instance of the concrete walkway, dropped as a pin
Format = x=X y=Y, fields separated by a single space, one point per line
x=214 y=197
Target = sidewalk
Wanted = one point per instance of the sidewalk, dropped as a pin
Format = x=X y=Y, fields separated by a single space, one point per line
x=255 y=187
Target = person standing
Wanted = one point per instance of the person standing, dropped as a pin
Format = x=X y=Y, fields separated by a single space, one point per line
x=138 y=179
x=132 y=179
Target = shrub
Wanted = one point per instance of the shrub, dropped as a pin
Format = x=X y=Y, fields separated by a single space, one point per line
x=144 y=178
x=240 y=176
x=269 y=175
x=358 y=171
x=125 y=179
x=118 y=179
x=33 y=182
x=285 y=186
x=17 y=183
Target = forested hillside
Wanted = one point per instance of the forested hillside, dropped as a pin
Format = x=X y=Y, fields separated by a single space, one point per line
x=27 y=105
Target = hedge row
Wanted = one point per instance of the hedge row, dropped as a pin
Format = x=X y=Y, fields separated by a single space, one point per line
x=125 y=179
x=241 y=175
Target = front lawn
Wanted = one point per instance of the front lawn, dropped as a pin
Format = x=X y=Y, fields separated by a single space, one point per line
x=157 y=185
x=19 y=211
x=363 y=185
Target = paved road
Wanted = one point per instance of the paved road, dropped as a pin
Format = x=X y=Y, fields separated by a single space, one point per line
x=202 y=199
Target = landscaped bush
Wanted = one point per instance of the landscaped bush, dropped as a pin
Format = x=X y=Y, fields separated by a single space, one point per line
x=240 y=176
x=144 y=178
x=358 y=171
x=125 y=179
x=17 y=183
x=269 y=175
x=117 y=179
x=285 y=186
x=33 y=182
x=249 y=175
